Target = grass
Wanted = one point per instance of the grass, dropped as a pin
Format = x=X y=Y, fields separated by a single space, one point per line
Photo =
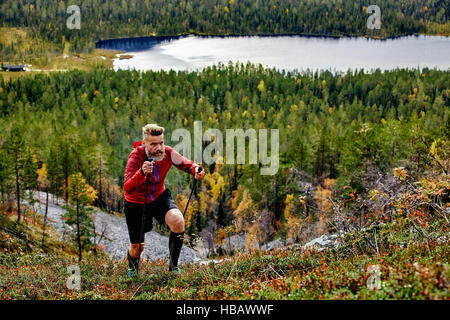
x=415 y=273
x=85 y=61
x=46 y=57
x=418 y=271
x=21 y=47
x=98 y=58
x=13 y=235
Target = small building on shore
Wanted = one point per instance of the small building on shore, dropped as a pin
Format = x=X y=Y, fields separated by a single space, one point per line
x=13 y=68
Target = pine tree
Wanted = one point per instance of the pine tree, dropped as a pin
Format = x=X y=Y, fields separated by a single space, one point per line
x=78 y=213
x=43 y=184
x=18 y=161
x=54 y=171
x=6 y=185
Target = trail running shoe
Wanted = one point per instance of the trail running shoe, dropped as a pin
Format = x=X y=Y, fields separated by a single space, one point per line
x=173 y=269
x=132 y=272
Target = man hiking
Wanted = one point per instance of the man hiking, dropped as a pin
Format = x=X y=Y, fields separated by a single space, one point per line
x=151 y=160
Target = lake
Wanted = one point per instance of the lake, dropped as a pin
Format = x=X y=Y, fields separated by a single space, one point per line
x=291 y=53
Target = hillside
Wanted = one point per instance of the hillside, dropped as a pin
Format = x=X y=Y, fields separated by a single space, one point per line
x=405 y=257
x=416 y=272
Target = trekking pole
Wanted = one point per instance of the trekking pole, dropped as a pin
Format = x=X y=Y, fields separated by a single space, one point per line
x=200 y=169
x=143 y=217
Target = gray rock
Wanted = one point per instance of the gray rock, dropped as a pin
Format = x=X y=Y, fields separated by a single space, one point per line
x=278 y=243
x=235 y=242
x=323 y=242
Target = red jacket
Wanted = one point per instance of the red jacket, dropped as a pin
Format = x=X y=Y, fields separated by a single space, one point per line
x=134 y=181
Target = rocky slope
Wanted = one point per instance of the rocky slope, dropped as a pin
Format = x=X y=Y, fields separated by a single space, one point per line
x=116 y=240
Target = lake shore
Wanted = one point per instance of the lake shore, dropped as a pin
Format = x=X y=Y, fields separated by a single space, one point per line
x=289 y=53
x=230 y=35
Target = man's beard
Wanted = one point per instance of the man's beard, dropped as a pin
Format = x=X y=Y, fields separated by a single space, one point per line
x=156 y=156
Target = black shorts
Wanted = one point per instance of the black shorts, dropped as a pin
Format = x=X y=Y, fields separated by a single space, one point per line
x=157 y=209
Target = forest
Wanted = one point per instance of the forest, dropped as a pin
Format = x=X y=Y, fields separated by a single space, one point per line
x=102 y=19
x=339 y=134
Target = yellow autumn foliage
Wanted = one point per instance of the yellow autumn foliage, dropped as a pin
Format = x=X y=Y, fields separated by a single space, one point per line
x=80 y=190
x=261 y=85
x=244 y=212
x=216 y=181
x=42 y=176
x=221 y=235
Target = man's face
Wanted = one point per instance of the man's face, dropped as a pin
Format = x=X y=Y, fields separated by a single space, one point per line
x=155 y=147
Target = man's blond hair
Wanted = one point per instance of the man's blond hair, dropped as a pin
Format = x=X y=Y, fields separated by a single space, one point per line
x=151 y=130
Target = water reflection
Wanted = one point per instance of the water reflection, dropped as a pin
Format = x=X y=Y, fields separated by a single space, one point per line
x=283 y=52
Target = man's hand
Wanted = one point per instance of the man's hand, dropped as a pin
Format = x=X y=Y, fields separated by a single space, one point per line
x=199 y=174
x=147 y=167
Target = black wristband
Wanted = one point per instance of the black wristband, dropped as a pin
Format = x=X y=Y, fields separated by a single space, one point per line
x=142 y=171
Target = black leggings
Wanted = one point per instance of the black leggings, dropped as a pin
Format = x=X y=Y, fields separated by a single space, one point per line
x=156 y=209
